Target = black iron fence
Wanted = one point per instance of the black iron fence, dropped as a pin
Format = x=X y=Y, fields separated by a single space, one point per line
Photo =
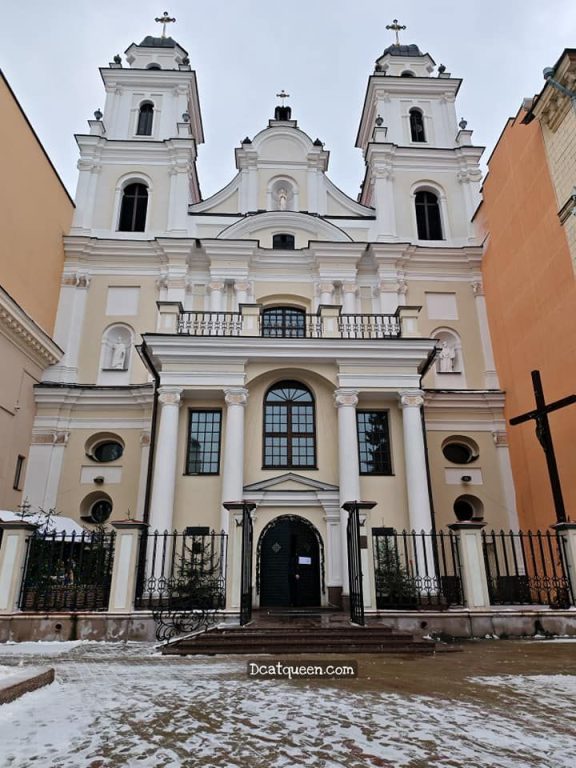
x=413 y=569
x=526 y=567
x=67 y=572
x=182 y=571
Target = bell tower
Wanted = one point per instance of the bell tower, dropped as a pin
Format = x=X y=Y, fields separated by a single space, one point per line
x=138 y=162
x=422 y=170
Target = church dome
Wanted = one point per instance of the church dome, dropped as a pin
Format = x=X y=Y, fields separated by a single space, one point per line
x=158 y=42
x=403 y=50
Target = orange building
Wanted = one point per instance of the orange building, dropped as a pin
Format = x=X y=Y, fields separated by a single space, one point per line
x=35 y=212
x=531 y=289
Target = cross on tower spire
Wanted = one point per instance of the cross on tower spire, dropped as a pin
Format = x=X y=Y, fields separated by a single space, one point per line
x=283 y=95
x=164 y=19
x=395 y=27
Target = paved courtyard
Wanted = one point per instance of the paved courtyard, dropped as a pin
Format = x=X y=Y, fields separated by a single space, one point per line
x=498 y=703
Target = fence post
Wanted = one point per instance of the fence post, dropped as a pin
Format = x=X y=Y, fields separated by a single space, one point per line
x=567 y=532
x=12 y=558
x=474 y=578
x=125 y=565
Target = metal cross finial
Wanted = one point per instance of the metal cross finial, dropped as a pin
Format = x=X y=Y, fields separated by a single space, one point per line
x=164 y=19
x=395 y=27
x=283 y=95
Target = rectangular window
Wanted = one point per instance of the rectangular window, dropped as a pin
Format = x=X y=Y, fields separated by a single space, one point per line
x=374 y=443
x=18 y=474
x=203 y=455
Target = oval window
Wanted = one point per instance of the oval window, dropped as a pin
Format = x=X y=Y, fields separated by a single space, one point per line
x=101 y=510
x=463 y=510
x=107 y=451
x=460 y=450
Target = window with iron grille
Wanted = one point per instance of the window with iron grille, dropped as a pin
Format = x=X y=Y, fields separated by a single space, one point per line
x=374 y=443
x=283 y=242
x=284 y=322
x=203 y=454
x=289 y=430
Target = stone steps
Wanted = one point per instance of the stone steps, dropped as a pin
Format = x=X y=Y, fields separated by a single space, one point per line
x=257 y=639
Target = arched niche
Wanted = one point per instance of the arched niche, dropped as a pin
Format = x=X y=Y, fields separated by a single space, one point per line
x=449 y=362
x=115 y=354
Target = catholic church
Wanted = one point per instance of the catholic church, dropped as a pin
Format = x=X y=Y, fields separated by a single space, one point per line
x=281 y=341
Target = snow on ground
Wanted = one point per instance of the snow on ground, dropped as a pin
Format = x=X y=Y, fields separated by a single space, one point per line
x=112 y=708
x=40 y=648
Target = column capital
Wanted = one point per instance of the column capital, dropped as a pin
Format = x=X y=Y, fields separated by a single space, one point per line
x=411 y=398
x=326 y=287
x=349 y=287
x=170 y=395
x=241 y=285
x=500 y=438
x=346 y=398
x=236 y=396
x=216 y=285
x=477 y=287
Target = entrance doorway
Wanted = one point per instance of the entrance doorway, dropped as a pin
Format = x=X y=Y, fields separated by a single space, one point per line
x=289 y=560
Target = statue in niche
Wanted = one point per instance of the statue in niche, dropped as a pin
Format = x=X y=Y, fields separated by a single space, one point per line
x=282 y=199
x=446 y=358
x=118 y=357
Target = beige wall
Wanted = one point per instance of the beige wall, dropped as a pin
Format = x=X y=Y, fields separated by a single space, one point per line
x=19 y=374
x=35 y=212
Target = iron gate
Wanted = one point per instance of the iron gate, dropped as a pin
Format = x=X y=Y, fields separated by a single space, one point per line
x=354 y=564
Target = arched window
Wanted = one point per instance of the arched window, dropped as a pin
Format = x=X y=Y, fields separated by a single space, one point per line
x=289 y=432
x=428 y=216
x=153 y=66
x=417 y=125
x=284 y=322
x=406 y=73
x=145 y=117
x=133 y=208
x=283 y=242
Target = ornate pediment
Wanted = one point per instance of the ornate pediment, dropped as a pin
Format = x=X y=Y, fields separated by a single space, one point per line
x=290 y=481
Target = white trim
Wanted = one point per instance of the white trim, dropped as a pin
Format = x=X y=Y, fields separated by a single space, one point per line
x=28 y=337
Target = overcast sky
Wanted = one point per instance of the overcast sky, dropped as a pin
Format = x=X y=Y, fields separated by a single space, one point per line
x=245 y=51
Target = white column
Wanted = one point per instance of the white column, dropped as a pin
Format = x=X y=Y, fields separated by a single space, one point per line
x=241 y=289
x=415 y=460
x=125 y=565
x=69 y=327
x=216 y=289
x=348 y=465
x=385 y=225
x=44 y=467
x=164 y=475
x=349 y=298
x=233 y=458
x=12 y=559
x=326 y=293
x=490 y=375
x=503 y=455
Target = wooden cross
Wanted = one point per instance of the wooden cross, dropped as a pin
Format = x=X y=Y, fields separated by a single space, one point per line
x=395 y=27
x=164 y=19
x=282 y=95
x=540 y=416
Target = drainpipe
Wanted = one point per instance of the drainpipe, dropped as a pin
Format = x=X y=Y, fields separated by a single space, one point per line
x=145 y=355
x=429 y=360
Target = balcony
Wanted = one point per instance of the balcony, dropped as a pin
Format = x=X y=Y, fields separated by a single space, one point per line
x=254 y=321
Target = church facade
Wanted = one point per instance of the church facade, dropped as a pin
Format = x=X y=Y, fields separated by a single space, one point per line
x=279 y=342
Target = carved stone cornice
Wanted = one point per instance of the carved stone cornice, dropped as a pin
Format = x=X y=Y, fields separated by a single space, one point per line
x=25 y=334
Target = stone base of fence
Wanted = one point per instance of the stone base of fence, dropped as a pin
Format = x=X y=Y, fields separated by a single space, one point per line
x=457 y=624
